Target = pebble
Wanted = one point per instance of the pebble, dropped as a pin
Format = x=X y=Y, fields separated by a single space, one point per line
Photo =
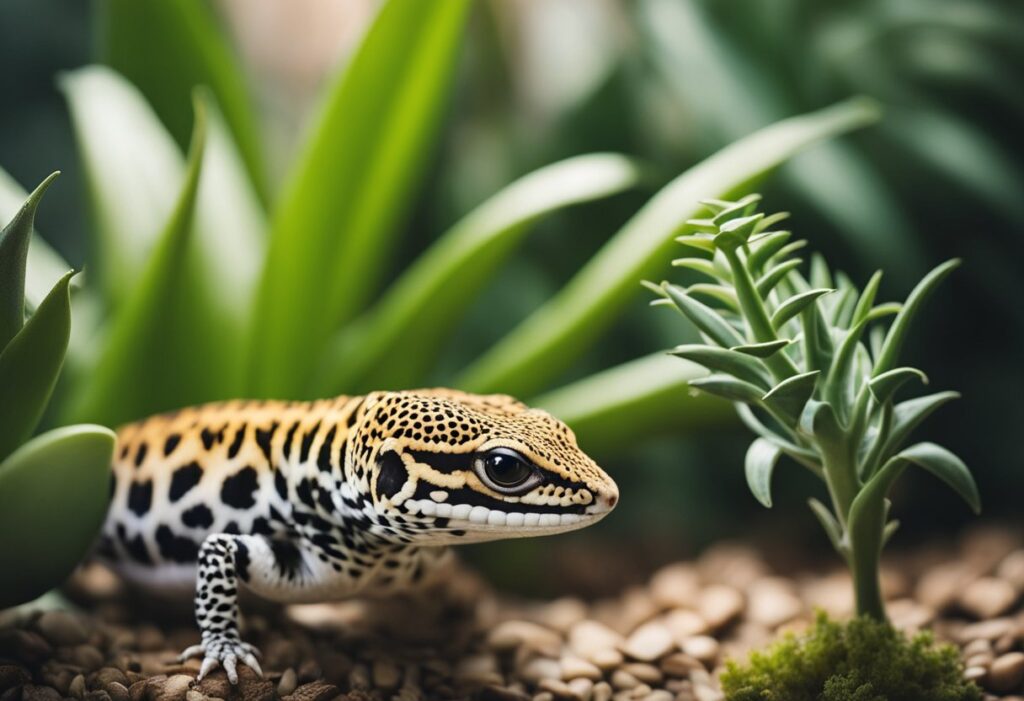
x=987 y=597
x=574 y=667
x=771 y=602
x=719 y=604
x=1011 y=569
x=562 y=614
x=588 y=637
x=703 y=648
x=477 y=668
x=582 y=688
x=684 y=623
x=707 y=693
x=386 y=674
x=602 y=692
x=646 y=673
x=62 y=628
x=649 y=642
x=675 y=586
x=621 y=679
x=541 y=668
x=680 y=664
x=1006 y=672
x=118 y=692
x=940 y=586
x=558 y=688
x=509 y=635
x=606 y=659
x=288 y=682
x=989 y=630
x=659 y=695
x=77 y=686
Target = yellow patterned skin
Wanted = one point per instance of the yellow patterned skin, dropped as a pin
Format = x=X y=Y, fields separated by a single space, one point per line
x=311 y=501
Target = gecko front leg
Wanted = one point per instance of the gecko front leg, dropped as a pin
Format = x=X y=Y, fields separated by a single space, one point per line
x=223 y=560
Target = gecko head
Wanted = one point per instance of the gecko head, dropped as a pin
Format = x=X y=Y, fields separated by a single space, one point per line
x=452 y=467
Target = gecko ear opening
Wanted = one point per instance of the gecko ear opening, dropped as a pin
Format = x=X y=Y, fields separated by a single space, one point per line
x=391 y=474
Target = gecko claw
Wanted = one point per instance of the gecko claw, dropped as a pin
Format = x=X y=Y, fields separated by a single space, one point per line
x=226 y=653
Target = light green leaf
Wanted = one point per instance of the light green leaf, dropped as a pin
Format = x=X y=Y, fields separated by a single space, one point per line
x=333 y=232
x=701 y=265
x=763 y=249
x=721 y=293
x=796 y=304
x=909 y=415
x=132 y=168
x=762 y=350
x=947 y=467
x=141 y=40
x=53 y=498
x=45 y=266
x=710 y=323
x=400 y=337
x=30 y=365
x=819 y=420
x=759 y=464
x=767 y=282
x=610 y=410
x=167 y=322
x=866 y=300
x=805 y=456
x=884 y=386
x=889 y=353
x=739 y=365
x=553 y=336
x=790 y=396
x=14 y=243
x=729 y=388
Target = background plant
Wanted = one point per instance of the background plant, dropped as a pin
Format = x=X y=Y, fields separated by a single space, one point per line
x=53 y=488
x=813 y=374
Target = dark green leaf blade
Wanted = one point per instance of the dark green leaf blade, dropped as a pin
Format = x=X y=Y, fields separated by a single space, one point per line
x=729 y=388
x=14 y=243
x=739 y=365
x=30 y=365
x=884 y=386
x=796 y=304
x=791 y=395
x=710 y=323
x=947 y=467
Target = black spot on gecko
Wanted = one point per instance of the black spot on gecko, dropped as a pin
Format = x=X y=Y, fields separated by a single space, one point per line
x=183 y=479
x=287 y=449
x=239 y=490
x=236 y=443
x=171 y=443
x=260 y=526
x=199 y=516
x=242 y=561
x=323 y=458
x=175 y=548
x=392 y=474
x=286 y=557
x=137 y=550
x=307 y=442
x=207 y=436
x=140 y=497
x=281 y=484
x=140 y=454
x=304 y=490
x=264 y=438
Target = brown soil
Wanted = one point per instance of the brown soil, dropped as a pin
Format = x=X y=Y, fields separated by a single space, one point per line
x=662 y=641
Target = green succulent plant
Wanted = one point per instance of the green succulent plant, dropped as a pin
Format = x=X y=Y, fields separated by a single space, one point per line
x=205 y=284
x=813 y=373
x=53 y=488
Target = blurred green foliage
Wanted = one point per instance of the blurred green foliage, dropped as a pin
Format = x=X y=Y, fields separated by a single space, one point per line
x=667 y=81
x=53 y=488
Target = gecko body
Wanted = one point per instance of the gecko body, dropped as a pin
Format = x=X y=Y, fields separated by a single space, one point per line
x=315 y=501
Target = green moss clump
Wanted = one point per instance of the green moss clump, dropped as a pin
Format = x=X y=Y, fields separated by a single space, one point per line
x=863 y=660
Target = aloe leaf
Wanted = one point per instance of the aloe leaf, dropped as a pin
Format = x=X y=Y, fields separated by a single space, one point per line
x=947 y=467
x=142 y=39
x=832 y=528
x=767 y=282
x=805 y=456
x=30 y=365
x=400 y=337
x=132 y=168
x=721 y=293
x=842 y=307
x=867 y=299
x=819 y=420
x=743 y=367
x=762 y=350
x=166 y=322
x=908 y=415
x=763 y=250
x=44 y=265
x=53 y=498
x=553 y=336
x=790 y=396
x=728 y=387
x=14 y=244
x=700 y=265
x=884 y=386
x=883 y=310
x=333 y=231
x=710 y=323
x=889 y=352
x=817 y=341
x=734 y=233
x=794 y=305
x=820 y=274
x=611 y=409
x=760 y=462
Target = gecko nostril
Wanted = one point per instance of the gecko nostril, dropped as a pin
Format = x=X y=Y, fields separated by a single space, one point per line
x=612 y=499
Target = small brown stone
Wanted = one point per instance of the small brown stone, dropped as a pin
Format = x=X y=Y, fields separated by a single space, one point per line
x=62 y=628
x=77 y=686
x=647 y=673
x=707 y=693
x=1011 y=569
x=32 y=692
x=288 y=682
x=975 y=673
x=659 y=695
x=1007 y=672
x=982 y=659
x=621 y=679
x=541 y=668
x=386 y=674
x=97 y=695
x=574 y=667
x=606 y=659
x=137 y=691
x=680 y=664
x=512 y=634
x=587 y=637
x=675 y=586
x=702 y=647
x=498 y=693
x=314 y=691
x=558 y=688
x=940 y=586
x=989 y=630
x=987 y=597
x=195 y=695
x=118 y=691
x=24 y=645
x=771 y=602
x=649 y=642
x=107 y=675
x=602 y=692
x=719 y=604
x=683 y=623
x=12 y=676
x=562 y=614
x=582 y=688
x=479 y=669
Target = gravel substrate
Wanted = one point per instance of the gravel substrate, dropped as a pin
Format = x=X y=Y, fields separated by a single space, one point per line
x=663 y=641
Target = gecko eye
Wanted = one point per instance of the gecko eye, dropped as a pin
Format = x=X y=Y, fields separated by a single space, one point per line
x=506 y=471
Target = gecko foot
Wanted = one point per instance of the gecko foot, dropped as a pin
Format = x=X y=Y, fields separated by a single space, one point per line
x=226 y=652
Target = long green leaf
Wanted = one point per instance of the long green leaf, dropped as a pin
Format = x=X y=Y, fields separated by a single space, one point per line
x=610 y=410
x=739 y=365
x=333 y=232
x=53 y=497
x=133 y=169
x=947 y=467
x=908 y=415
x=762 y=457
x=796 y=304
x=884 y=386
x=165 y=324
x=399 y=338
x=706 y=319
x=790 y=396
x=886 y=358
x=30 y=365
x=141 y=40
x=45 y=266
x=553 y=336
x=832 y=528
x=14 y=243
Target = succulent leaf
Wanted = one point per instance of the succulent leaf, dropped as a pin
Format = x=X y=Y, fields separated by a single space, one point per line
x=762 y=350
x=704 y=318
x=729 y=388
x=832 y=528
x=762 y=456
x=884 y=386
x=796 y=304
x=739 y=365
x=791 y=395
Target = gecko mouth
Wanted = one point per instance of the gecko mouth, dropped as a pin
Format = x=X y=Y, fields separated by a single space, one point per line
x=530 y=517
